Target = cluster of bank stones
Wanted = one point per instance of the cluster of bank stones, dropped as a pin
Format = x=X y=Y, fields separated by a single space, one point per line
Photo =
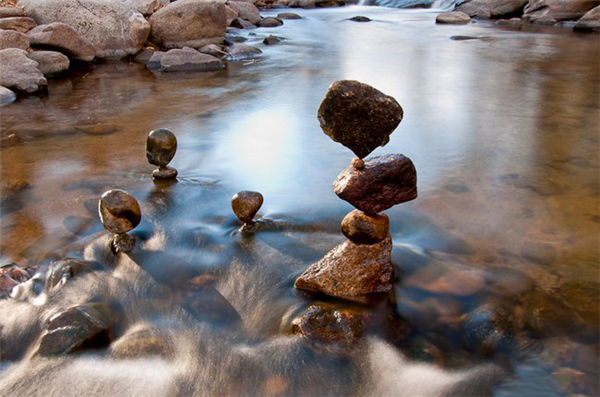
x=581 y=15
x=41 y=38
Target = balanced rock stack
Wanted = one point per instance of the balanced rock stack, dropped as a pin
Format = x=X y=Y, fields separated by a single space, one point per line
x=161 y=146
x=120 y=213
x=362 y=118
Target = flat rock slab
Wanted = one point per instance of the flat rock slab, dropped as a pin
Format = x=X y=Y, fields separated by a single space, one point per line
x=184 y=60
x=19 y=72
x=50 y=62
x=191 y=23
x=358 y=116
x=20 y=24
x=13 y=39
x=61 y=37
x=384 y=181
x=351 y=271
x=455 y=17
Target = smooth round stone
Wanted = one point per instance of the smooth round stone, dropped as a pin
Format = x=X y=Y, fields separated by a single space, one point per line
x=361 y=228
x=123 y=243
x=246 y=204
x=164 y=173
x=358 y=164
x=161 y=146
x=119 y=211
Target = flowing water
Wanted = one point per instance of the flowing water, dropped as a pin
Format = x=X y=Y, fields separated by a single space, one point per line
x=503 y=129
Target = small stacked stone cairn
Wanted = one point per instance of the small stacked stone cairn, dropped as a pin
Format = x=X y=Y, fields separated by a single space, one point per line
x=362 y=118
x=245 y=205
x=161 y=146
x=120 y=213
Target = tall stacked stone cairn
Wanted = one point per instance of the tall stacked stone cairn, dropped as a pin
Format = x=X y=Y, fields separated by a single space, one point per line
x=362 y=118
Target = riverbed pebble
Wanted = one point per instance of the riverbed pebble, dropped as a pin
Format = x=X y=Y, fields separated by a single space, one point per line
x=358 y=116
x=119 y=211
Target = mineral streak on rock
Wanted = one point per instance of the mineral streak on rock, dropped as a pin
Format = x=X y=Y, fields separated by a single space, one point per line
x=384 y=182
x=351 y=271
x=119 y=211
x=246 y=204
x=358 y=116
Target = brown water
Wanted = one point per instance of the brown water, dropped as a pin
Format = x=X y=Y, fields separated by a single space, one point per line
x=504 y=132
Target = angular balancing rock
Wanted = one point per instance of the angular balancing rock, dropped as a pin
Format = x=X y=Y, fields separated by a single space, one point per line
x=358 y=116
x=119 y=211
x=351 y=271
x=383 y=182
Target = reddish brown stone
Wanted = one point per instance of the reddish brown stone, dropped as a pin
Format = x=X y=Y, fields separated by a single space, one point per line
x=351 y=271
x=246 y=204
x=384 y=182
x=361 y=228
x=119 y=211
x=358 y=116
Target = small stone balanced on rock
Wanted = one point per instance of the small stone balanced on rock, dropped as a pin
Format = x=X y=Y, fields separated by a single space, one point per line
x=245 y=205
x=120 y=213
x=362 y=118
x=161 y=146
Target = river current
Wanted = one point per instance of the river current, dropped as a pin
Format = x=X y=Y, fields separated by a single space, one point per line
x=502 y=124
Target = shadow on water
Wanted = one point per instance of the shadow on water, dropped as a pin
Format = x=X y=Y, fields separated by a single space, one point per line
x=506 y=222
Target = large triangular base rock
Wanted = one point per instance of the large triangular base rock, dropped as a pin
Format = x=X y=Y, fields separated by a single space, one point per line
x=351 y=271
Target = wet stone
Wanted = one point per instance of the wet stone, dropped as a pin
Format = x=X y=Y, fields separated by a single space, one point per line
x=583 y=298
x=71 y=329
x=329 y=329
x=122 y=243
x=384 y=182
x=10 y=276
x=488 y=328
x=161 y=146
x=270 y=22
x=119 y=211
x=143 y=342
x=540 y=253
x=202 y=300
x=507 y=282
x=360 y=18
x=358 y=116
x=271 y=40
x=361 y=228
x=60 y=272
x=164 y=173
x=245 y=205
x=351 y=271
x=288 y=15
x=546 y=315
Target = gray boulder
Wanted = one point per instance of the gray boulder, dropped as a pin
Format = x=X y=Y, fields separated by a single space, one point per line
x=61 y=37
x=6 y=96
x=113 y=27
x=590 y=21
x=239 y=51
x=192 y=23
x=231 y=14
x=20 y=24
x=13 y=39
x=184 y=60
x=270 y=22
x=455 y=17
x=50 y=62
x=19 y=72
x=247 y=11
x=495 y=8
x=558 y=10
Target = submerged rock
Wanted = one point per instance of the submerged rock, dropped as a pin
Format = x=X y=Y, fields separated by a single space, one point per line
x=62 y=37
x=540 y=253
x=271 y=40
x=202 y=300
x=351 y=271
x=60 y=272
x=119 y=211
x=19 y=72
x=113 y=27
x=192 y=23
x=245 y=205
x=361 y=228
x=50 y=62
x=546 y=315
x=13 y=39
x=507 y=282
x=360 y=18
x=142 y=342
x=239 y=51
x=488 y=329
x=583 y=298
x=288 y=15
x=358 y=116
x=270 y=22
x=384 y=181
x=329 y=329
x=72 y=328
x=454 y=17
x=184 y=60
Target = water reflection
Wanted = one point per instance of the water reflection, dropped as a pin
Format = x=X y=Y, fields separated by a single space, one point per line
x=503 y=132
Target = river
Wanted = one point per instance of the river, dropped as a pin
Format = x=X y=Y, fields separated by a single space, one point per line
x=502 y=126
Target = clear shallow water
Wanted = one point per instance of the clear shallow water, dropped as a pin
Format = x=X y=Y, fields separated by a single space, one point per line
x=503 y=131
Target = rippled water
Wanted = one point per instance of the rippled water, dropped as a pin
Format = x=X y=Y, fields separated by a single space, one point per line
x=504 y=132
